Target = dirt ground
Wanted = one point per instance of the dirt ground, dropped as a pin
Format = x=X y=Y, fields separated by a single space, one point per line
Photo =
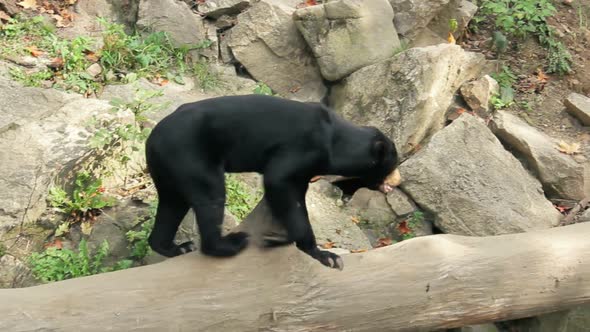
x=545 y=109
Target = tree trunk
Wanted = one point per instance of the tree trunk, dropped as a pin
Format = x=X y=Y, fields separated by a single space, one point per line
x=422 y=284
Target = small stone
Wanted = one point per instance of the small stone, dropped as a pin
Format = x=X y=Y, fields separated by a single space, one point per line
x=94 y=70
x=579 y=107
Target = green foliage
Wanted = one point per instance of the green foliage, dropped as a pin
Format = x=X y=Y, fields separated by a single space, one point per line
x=30 y=79
x=262 y=89
x=56 y=264
x=505 y=78
x=504 y=99
x=116 y=139
x=403 y=45
x=88 y=194
x=138 y=240
x=238 y=200
x=206 y=78
x=520 y=18
x=415 y=220
x=18 y=27
x=2 y=249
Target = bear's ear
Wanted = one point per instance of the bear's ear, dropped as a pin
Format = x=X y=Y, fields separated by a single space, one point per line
x=379 y=150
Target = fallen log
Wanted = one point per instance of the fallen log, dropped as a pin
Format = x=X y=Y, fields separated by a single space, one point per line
x=422 y=284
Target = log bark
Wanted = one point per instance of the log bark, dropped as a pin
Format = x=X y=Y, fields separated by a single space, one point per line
x=422 y=284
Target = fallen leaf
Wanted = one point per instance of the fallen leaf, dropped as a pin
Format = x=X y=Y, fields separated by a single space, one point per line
x=35 y=51
x=562 y=209
x=451 y=38
x=60 y=22
x=56 y=244
x=4 y=16
x=356 y=251
x=383 y=242
x=28 y=4
x=569 y=148
x=92 y=56
x=163 y=82
x=86 y=228
x=328 y=245
x=311 y=2
x=542 y=76
x=403 y=228
x=355 y=219
x=295 y=89
x=56 y=63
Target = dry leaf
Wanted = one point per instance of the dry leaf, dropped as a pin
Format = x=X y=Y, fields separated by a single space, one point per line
x=311 y=2
x=92 y=56
x=355 y=220
x=383 y=242
x=451 y=38
x=356 y=251
x=34 y=51
x=57 y=244
x=86 y=228
x=569 y=148
x=543 y=78
x=28 y=4
x=59 y=21
x=403 y=228
x=328 y=245
x=4 y=16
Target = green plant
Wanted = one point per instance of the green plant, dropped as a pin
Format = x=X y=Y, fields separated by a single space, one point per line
x=117 y=139
x=403 y=45
x=138 y=240
x=262 y=89
x=414 y=221
x=238 y=200
x=87 y=196
x=504 y=99
x=2 y=250
x=56 y=264
x=505 y=78
x=206 y=78
x=30 y=79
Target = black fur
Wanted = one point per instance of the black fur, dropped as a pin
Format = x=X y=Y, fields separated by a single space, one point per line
x=289 y=142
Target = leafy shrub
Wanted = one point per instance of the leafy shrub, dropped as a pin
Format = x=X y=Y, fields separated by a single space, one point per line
x=56 y=264
x=238 y=200
x=138 y=240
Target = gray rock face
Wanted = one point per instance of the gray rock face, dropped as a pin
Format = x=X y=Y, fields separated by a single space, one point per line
x=346 y=35
x=372 y=206
x=331 y=224
x=411 y=15
x=218 y=8
x=267 y=43
x=14 y=273
x=460 y=10
x=407 y=96
x=477 y=94
x=473 y=186
x=400 y=203
x=579 y=107
x=561 y=175
x=42 y=133
x=173 y=17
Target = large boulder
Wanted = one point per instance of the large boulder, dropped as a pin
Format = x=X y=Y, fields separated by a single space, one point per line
x=460 y=10
x=174 y=17
x=560 y=174
x=478 y=93
x=217 y=8
x=42 y=133
x=473 y=186
x=407 y=96
x=579 y=107
x=268 y=44
x=346 y=35
x=411 y=15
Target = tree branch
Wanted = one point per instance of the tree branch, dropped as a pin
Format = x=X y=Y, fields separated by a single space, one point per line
x=422 y=284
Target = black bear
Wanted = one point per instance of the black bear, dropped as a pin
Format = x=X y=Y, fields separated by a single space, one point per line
x=288 y=142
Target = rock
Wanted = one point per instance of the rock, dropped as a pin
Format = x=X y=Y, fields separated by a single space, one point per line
x=43 y=134
x=217 y=8
x=346 y=35
x=372 y=207
x=561 y=175
x=10 y=7
x=579 y=107
x=460 y=10
x=14 y=273
x=331 y=224
x=94 y=70
x=407 y=96
x=173 y=17
x=411 y=15
x=267 y=43
x=400 y=203
x=426 y=37
x=473 y=186
x=477 y=94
